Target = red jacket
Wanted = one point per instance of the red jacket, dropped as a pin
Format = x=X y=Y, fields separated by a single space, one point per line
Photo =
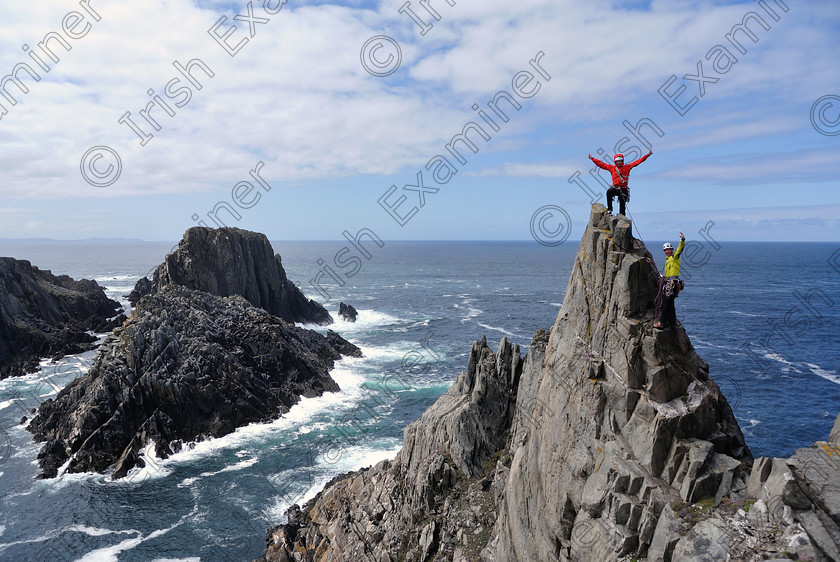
x=622 y=174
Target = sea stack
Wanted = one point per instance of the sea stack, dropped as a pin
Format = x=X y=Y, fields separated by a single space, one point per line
x=347 y=312
x=44 y=315
x=605 y=441
x=232 y=261
x=188 y=364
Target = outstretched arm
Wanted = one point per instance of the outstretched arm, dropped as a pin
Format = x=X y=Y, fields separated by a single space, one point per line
x=599 y=163
x=680 y=246
x=640 y=160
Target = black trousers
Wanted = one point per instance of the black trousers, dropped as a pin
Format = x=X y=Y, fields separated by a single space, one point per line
x=669 y=313
x=666 y=312
x=622 y=198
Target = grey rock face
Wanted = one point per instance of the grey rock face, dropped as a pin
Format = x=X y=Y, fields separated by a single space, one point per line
x=802 y=493
x=632 y=421
x=231 y=261
x=43 y=315
x=186 y=364
x=705 y=542
x=609 y=441
x=442 y=478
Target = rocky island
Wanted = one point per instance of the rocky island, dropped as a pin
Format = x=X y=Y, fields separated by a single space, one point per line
x=46 y=315
x=608 y=440
x=200 y=355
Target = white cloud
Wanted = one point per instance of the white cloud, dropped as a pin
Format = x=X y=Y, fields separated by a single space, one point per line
x=553 y=169
x=297 y=97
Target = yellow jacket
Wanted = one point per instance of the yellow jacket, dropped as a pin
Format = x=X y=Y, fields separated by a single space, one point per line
x=672 y=264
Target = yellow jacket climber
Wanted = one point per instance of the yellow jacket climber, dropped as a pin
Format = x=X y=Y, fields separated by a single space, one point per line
x=669 y=287
x=672 y=258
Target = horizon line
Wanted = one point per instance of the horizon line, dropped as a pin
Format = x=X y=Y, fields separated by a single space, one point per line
x=531 y=240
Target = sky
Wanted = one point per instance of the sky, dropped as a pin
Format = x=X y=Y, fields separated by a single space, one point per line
x=303 y=120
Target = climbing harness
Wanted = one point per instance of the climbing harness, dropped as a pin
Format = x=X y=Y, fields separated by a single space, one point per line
x=673 y=286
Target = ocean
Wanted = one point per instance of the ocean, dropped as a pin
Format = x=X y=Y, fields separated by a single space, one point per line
x=763 y=315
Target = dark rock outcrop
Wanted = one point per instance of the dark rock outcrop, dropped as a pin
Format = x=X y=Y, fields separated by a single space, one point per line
x=347 y=312
x=185 y=365
x=142 y=288
x=231 y=261
x=44 y=315
x=572 y=453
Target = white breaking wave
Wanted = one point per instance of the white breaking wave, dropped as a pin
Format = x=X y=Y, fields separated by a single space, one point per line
x=738 y=312
x=827 y=375
x=298 y=415
x=352 y=459
x=399 y=350
x=109 y=553
x=97 y=532
x=92 y=531
x=105 y=278
x=367 y=319
x=241 y=465
x=472 y=312
x=502 y=330
x=788 y=365
x=153 y=466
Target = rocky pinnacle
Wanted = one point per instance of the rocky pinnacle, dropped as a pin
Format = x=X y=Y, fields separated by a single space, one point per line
x=232 y=261
x=571 y=453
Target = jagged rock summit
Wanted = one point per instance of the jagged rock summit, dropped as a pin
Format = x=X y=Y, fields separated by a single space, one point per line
x=576 y=452
x=629 y=415
x=43 y=315
x=232 y=261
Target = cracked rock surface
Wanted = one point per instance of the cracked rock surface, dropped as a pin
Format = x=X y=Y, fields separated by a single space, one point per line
x=608 y=440
x=184 y=366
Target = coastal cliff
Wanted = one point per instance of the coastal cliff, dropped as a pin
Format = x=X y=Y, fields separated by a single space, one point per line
x=608 y=440
x=232 y=261
x=44 y=315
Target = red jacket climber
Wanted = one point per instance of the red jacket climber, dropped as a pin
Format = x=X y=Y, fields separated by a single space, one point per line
x=620 y=175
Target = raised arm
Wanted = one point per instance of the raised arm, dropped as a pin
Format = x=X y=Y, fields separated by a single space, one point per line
x=599 y=163
x=640 y=160
x=680 y=246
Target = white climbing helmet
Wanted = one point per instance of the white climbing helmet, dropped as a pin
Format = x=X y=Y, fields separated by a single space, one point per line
x=667 y=246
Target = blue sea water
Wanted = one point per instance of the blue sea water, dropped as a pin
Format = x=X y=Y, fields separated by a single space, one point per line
x=764 y=316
